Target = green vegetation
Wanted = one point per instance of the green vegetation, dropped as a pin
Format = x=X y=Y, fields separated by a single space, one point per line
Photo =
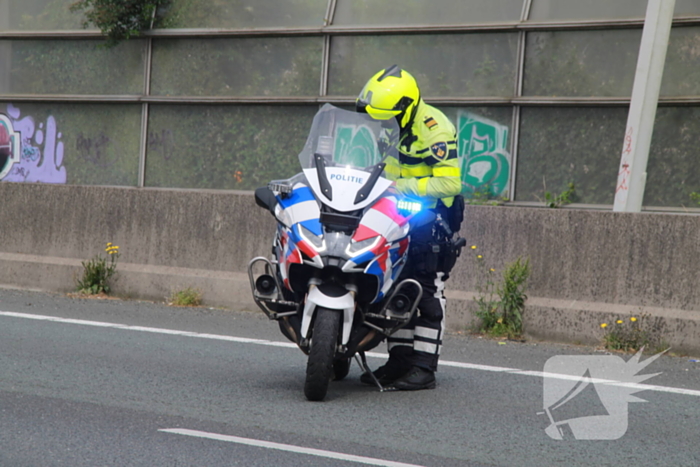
x=97 y=272
x=119 y=20
x=483 y=195
x=633 y=334
x=188 y=296
x=512 y=294
x=695 y=196
x=480 y=196
x=500 y=304
x=563 y=198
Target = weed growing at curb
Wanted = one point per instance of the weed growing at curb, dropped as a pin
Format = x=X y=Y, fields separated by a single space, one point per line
x=500 y=305
x=563 y=198
x=98 y=271
x=695 y=197
x=189 y=296
x=484 y=196
x=632 y=334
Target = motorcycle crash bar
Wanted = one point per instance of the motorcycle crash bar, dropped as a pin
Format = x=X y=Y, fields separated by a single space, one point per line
x=267 y=291
x=398 y=309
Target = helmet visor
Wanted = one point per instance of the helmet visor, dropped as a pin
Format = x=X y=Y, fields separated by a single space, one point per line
x=381 y=114
x=375 y=113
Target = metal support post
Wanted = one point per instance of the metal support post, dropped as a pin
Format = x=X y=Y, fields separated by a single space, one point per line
x=632 y=175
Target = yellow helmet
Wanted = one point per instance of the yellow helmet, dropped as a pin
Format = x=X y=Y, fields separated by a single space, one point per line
x=392 y=92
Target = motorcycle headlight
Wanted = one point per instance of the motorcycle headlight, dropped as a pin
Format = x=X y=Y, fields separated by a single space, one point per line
x=357 y=248
x=319 y=243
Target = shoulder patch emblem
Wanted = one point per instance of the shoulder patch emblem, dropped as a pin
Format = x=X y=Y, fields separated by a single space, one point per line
x=439 y=150
x=430 y=123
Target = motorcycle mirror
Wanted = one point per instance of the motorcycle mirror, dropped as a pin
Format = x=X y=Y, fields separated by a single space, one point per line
x=265 y=198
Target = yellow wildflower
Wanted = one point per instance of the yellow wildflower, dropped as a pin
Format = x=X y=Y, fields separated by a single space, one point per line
x=112 y=249
x=473 y=247
x=619 y=321
x=604 y=325
x=479 y=256
x=633 y=319
x=493 y=270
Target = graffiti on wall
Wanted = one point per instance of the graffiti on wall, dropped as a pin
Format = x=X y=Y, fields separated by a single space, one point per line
x=31 y=152
x=38 y=155
x=485 y=160
x=10 y=146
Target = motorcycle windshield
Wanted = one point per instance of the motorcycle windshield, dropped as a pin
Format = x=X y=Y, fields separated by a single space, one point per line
x=349 y=139
x=349 y=158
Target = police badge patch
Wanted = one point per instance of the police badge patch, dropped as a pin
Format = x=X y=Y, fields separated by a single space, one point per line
x=439 y=150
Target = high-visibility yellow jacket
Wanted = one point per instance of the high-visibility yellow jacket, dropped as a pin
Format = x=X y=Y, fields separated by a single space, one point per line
x=428 y=166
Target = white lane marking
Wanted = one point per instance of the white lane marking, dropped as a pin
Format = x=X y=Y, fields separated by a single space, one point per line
x=245 y=340
x=287 y=447
x=126 y=327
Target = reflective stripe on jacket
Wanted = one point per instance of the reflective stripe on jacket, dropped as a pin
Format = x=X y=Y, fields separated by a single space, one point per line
x=428 y=165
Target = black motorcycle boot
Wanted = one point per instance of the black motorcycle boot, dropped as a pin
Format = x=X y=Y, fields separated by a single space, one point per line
x=417 y=378
x=386 y=374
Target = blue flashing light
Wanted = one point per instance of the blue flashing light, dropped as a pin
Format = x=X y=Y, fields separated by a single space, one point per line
x=410 y=206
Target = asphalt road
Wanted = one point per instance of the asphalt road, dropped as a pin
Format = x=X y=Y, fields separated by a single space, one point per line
x=126 y=383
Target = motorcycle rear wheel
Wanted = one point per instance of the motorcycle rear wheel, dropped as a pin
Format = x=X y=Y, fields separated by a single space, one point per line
x=319 y=368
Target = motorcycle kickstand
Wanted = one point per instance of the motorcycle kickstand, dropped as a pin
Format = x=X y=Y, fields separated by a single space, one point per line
x=361 y=360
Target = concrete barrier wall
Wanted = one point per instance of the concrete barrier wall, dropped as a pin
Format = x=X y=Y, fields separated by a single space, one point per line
x=587 y=266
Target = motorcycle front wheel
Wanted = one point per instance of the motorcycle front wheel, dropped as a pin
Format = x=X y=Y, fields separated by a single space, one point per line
x=319 y=369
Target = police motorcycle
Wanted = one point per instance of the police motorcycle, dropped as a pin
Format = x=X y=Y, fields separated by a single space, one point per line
x=341 y=243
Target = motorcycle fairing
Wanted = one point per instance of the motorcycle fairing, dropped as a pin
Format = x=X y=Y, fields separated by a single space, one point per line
x=346 y=183
x=300 y=206
x=386 y=259
x=297 y=209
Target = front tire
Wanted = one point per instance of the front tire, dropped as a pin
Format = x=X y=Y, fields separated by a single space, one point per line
x=319 y=369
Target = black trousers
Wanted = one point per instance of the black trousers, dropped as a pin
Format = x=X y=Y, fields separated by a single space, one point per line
x=420 y=342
